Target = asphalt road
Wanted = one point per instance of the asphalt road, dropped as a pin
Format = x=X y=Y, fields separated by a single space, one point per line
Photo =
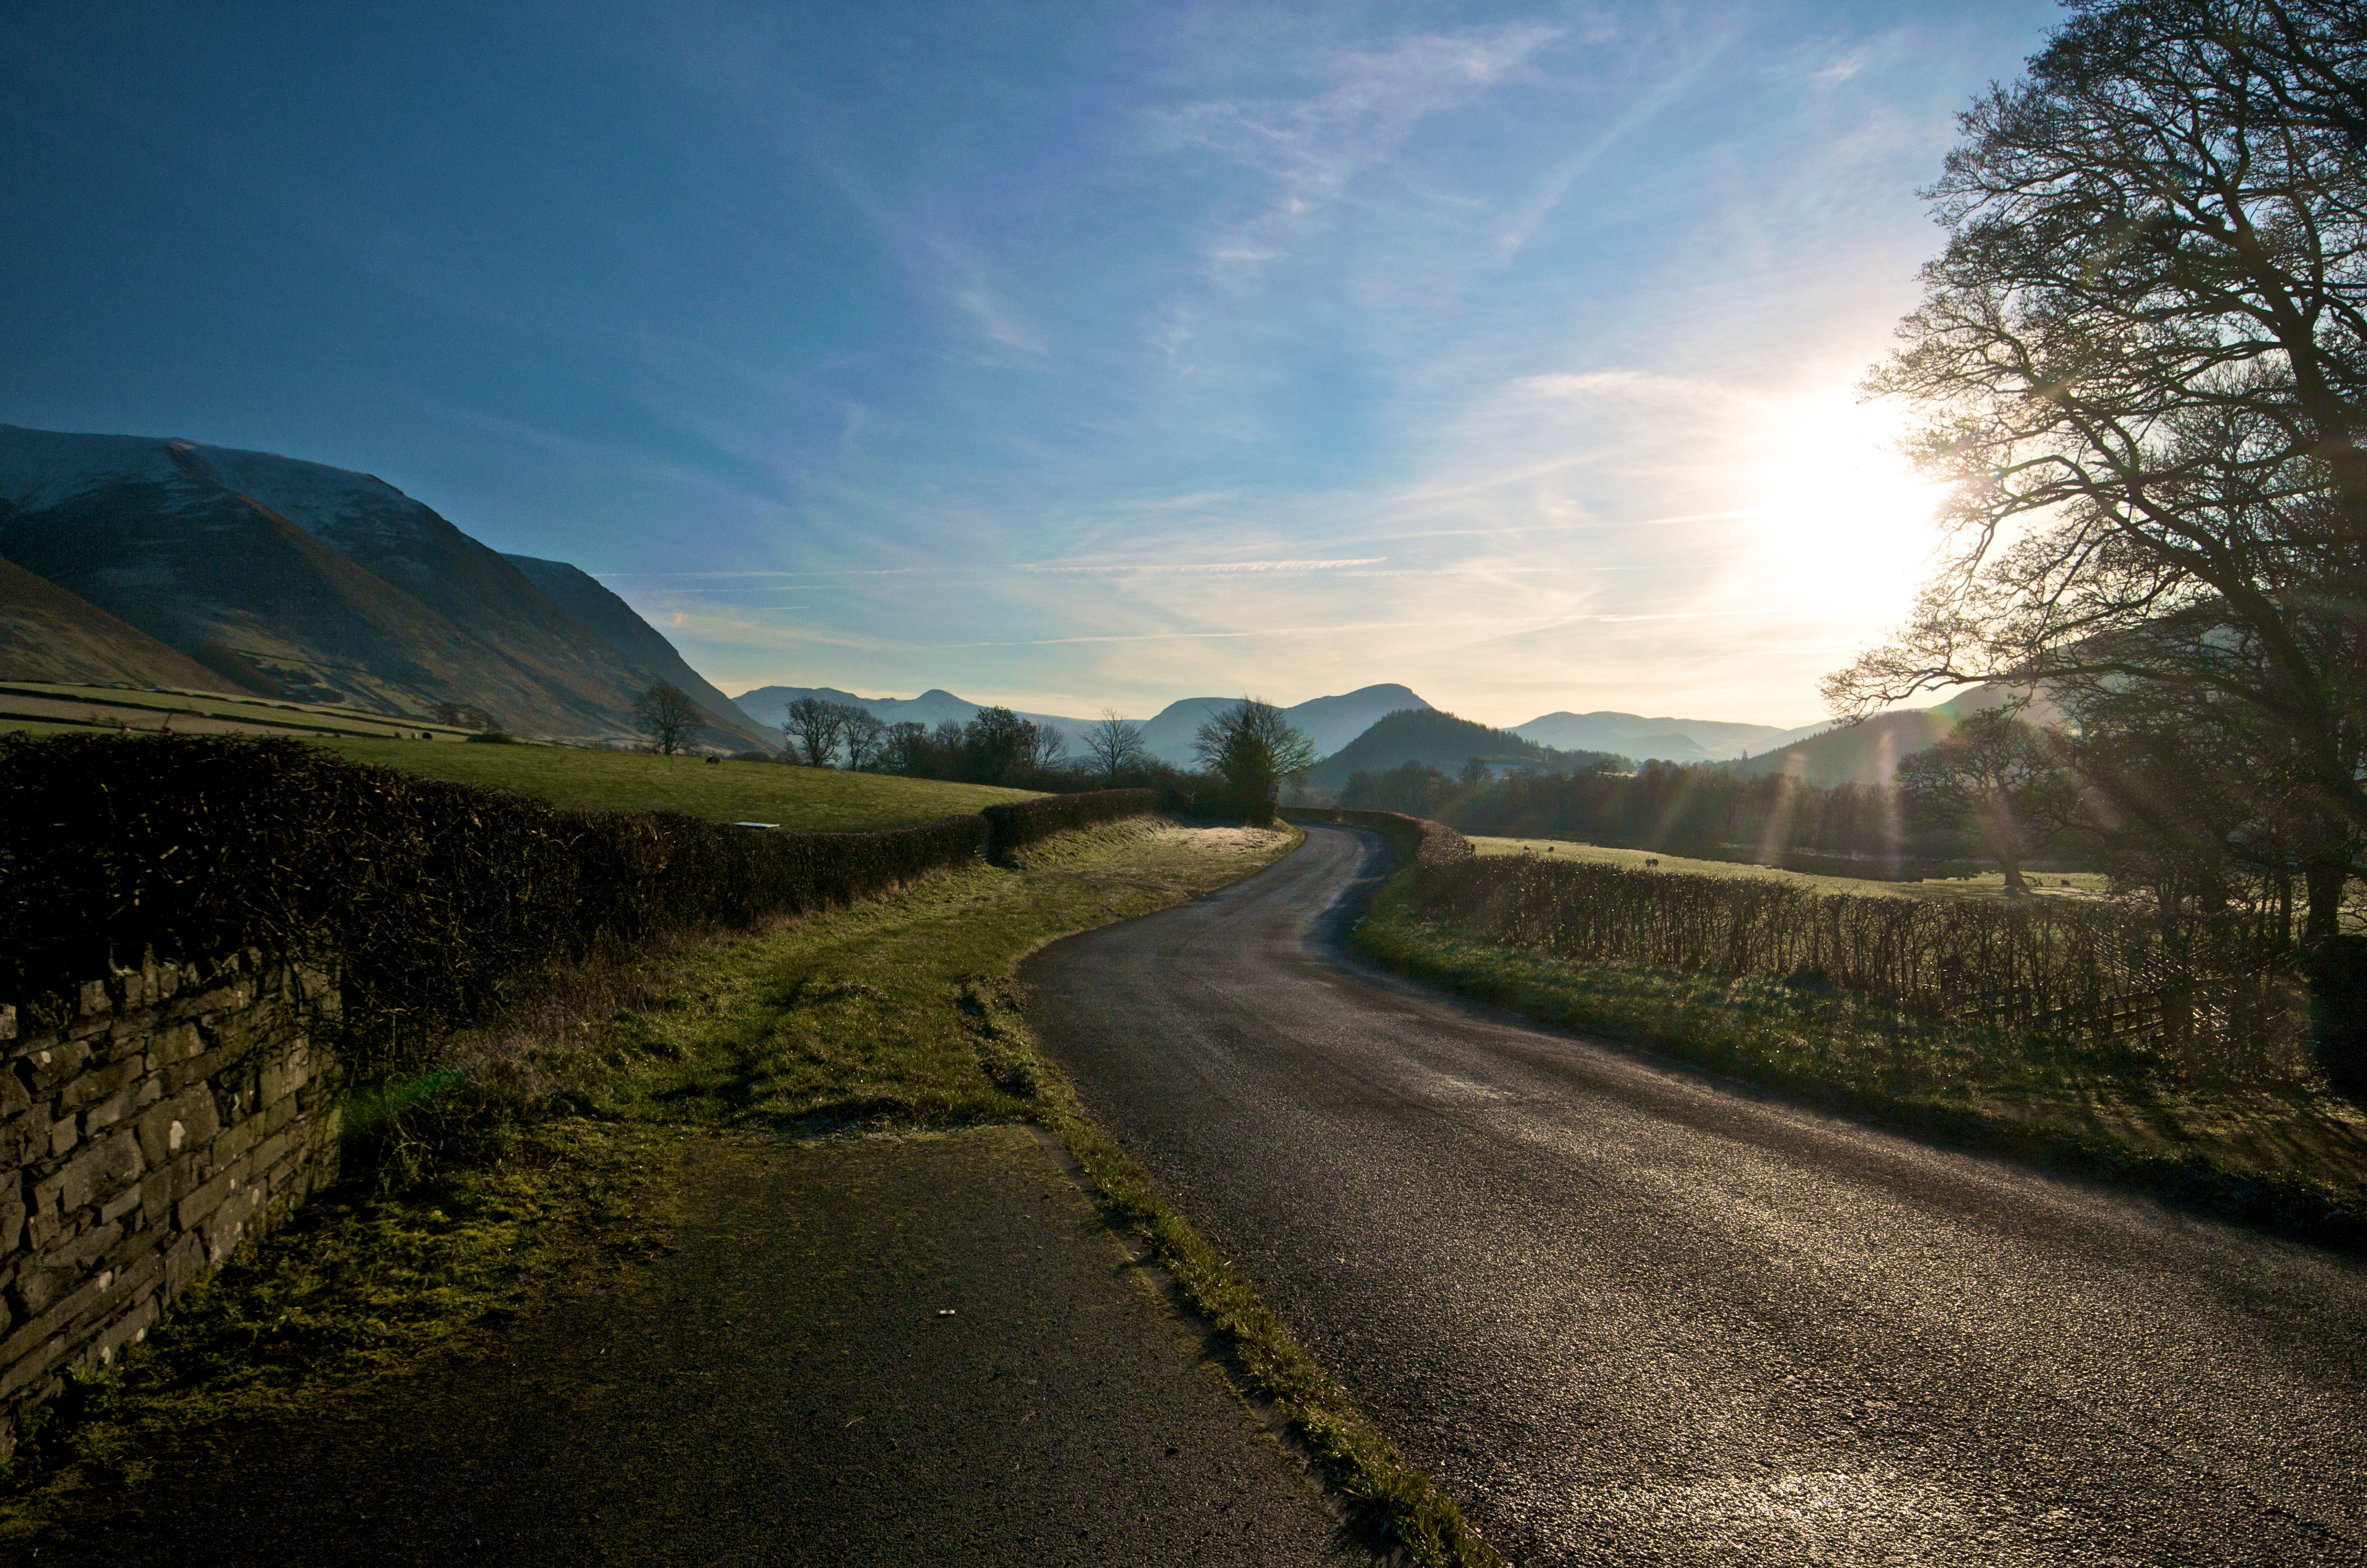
x=1630 y=1312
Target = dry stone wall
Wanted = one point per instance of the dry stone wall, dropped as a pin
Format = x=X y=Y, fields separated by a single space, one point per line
x=150 y=1123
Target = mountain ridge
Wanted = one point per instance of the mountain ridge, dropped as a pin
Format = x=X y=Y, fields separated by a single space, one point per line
x=1330 y=722
x=1682 y=739
x=294 y=578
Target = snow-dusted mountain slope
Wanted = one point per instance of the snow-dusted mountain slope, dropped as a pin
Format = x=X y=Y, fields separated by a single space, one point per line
x=313 y=580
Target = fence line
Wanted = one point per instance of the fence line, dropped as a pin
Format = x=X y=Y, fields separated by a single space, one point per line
x=2218 y=989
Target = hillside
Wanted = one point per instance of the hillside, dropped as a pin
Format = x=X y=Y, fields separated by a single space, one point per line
x=46 y=705
x=1330 y=723
x=1670 y=740
x=308 y=582
x=786 y=795
x=1435 y=738
x=612 y=620
x=48 y=634
x=1868 y=752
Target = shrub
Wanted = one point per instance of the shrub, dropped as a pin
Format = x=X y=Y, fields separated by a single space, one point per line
x=2218 y=989
x=1419 y=839
x=1024 y=821
x=427 y=898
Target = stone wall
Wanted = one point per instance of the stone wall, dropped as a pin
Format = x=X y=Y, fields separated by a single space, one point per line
x=149 y=1123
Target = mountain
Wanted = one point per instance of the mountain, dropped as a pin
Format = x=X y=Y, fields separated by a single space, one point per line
x=1330 y=722
x=1868 y=751
x=48 y=634
x=613 y=622
x=300 y=579
x=1428 y=736
x=1671 y=739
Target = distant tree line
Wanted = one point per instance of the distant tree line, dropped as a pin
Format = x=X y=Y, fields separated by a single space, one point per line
x=1249 y=753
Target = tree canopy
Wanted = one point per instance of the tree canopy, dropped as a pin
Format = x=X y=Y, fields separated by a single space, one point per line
x=1254 y=749
x=668 y=718
x=2141 y=364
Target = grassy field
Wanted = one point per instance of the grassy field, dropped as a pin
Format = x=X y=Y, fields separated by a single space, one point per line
x=42 y=707
x=2288 y=1150
x=558 y=1139
x=781 y=793
x=1988 y=885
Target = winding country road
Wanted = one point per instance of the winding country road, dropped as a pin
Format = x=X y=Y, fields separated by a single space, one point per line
x=1630 y=1312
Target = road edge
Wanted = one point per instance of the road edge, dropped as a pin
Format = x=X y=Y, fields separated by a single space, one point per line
x=1392 y=1506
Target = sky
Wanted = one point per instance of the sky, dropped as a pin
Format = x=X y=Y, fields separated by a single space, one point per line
x=1073 y=355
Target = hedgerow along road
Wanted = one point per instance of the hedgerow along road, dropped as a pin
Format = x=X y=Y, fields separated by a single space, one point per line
x=1630 y=1312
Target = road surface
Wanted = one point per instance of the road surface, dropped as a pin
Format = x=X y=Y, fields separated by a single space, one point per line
x=926 y=1351
x=1630 y=1312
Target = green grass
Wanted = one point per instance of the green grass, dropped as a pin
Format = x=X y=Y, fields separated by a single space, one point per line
x=896 y=1014
x=53 y=706
x=791 y=797
x=355 y=1289
x=2291 y=1150
x=1987 y=885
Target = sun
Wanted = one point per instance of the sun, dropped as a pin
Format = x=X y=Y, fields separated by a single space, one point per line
x=1834 y=506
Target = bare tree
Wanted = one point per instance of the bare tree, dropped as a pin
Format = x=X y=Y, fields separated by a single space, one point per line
x=1113 y=746
x=2142 y=363
x=1047 y=749
x=814 y=726
x=865 y=735
x=668 y=716
x=1254 y=748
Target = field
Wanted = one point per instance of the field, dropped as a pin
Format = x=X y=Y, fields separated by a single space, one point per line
x=782 y=794
x=1988 y=885
x=43 y=707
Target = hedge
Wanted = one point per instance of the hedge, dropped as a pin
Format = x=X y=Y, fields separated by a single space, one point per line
x=1421 y=840
x=2221 y=989
x=1024 y=822
x=426 y=897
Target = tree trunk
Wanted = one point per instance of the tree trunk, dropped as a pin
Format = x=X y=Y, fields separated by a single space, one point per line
x=2325 y=883
x=1998 y=831
x=2336 y=967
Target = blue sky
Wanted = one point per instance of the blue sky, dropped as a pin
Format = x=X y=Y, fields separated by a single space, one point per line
x=1069 y=355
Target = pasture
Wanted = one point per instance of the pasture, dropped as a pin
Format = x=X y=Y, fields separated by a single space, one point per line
x=789 y=796
x=45 y=707
x=2078 y=884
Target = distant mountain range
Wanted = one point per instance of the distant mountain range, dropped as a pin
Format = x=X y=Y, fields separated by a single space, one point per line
x=284 y=578
x=1670 y=740
x=1330 y=722
x=152 y=562
x=1868 y=752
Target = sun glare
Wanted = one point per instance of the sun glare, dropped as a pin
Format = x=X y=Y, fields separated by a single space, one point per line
x=1839 y=511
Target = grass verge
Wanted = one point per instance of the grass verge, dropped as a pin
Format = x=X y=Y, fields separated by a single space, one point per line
x=2290 y=1155
x=354 y=1290
x=549 y=1146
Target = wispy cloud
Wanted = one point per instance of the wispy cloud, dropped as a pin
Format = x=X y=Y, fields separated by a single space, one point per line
x=1114 y=568
x=997 y=320
x=1315 y=147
